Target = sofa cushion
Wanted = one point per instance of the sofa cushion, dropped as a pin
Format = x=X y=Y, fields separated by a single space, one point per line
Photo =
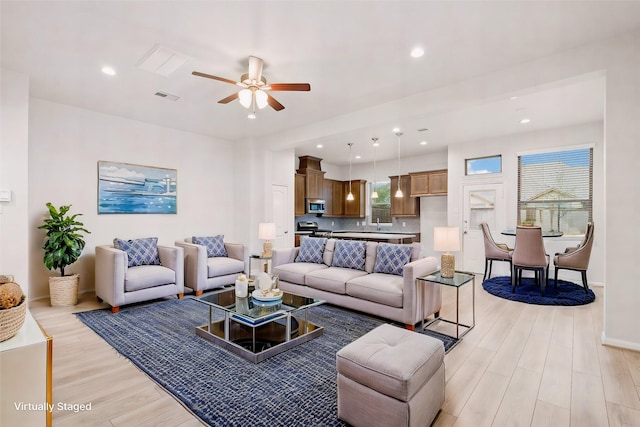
x=139 y=251
x=295 y=272
x=377 y=287
x=392 y=258
x=370 y=257
x=214 y=244
x=329 y=248
x=349 y=254
x=311 y=249
x=221 y=266
x=332 y=279
x=147 y=276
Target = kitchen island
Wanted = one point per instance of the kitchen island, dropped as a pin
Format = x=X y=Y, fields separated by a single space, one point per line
x=377 y=236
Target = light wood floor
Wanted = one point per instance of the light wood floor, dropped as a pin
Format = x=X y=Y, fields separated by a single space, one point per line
x=521 y=365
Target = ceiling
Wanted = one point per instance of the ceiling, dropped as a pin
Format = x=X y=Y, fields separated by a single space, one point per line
x=354 y=54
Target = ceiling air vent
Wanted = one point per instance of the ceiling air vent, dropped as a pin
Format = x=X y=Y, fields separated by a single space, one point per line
x=162 y=60
x=166 y=95
x=422 y=129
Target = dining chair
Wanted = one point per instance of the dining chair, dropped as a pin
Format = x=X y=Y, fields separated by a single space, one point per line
x=493 y=251
x=576 y=258
x=529 y=254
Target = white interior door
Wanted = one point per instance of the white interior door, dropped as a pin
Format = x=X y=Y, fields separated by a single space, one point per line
x=280 y=195
x=482 y=203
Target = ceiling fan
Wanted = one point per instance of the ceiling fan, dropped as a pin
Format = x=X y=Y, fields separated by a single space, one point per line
x=254 y=88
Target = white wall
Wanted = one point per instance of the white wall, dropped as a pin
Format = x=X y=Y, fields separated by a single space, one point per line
x=65 y=144
x=509 y=147
x=14 y=168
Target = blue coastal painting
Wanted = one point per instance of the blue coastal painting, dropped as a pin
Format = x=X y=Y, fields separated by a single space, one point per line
x=124 y=188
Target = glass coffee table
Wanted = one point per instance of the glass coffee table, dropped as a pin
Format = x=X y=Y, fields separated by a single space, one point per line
x=255 y=329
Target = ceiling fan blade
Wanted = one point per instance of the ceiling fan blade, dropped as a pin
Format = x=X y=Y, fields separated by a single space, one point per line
x=274 y=103
x=209 y=76
x=228 y=99
x=255 y=68
x=291 y=86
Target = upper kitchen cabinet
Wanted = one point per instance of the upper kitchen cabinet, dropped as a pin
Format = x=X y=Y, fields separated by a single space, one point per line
x=429 y=183
x=298 y=185
x=355 y=208
x=405 y=206
x=333 y=197
x=309 y=166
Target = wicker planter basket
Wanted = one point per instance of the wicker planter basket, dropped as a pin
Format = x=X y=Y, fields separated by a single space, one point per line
x=64 y=290
x=12 y=319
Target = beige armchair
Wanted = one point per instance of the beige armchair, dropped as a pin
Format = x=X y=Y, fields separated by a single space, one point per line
x=118 y=284
x=203 y=273
x=493 y=251
x=576 y=258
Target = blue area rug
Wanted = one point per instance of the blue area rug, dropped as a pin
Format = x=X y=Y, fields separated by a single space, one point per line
x=294 y=388
x=528 y=291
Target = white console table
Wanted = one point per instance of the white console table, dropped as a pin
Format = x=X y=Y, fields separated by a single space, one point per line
x=26 y=372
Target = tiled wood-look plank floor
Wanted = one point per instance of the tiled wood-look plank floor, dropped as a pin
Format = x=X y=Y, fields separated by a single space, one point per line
x=521 y=365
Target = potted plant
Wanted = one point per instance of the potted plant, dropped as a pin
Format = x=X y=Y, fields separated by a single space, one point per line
x=63 y=247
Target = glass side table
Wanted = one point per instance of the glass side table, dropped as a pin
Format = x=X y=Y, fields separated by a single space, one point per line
x=459 y=279
x=265 y=263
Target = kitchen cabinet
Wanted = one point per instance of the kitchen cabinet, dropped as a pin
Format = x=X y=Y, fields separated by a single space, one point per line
x=355 y=208
x=405 y=206
x=429 y=183
x=314 y=184
x=333 y=197
x=299 y=193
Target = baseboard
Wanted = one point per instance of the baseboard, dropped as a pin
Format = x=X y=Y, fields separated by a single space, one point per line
x=629 y=345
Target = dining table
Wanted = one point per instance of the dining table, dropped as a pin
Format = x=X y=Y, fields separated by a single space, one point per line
x=512 y=232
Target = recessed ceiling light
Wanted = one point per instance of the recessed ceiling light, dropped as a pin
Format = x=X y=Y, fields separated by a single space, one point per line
x=395 y=130
x=525 y=121
x=376 y=144
x=358 y=157
x=417 y=52
x=423 y=142
x=513 y=98
x=109 y=71
x=319 y=146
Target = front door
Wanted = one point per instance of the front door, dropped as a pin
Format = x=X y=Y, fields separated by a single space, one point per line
x=482 y=203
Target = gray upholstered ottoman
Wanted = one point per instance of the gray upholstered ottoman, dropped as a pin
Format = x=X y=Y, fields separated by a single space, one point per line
x=390 y=377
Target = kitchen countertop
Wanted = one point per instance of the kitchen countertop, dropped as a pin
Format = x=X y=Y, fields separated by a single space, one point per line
x=373 y=235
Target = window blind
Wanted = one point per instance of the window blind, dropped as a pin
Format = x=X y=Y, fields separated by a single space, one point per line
x=555 y=190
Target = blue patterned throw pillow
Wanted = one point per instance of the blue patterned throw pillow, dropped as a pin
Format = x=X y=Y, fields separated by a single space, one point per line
x=214 y=244
x=311 y=250
x=349 y=254
x=139 y=251
x=391 y=258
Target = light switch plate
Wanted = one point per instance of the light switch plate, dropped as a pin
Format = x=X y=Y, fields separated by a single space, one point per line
x=5 y=195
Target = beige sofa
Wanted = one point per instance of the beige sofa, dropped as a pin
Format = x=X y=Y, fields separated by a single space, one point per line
x=389 y=296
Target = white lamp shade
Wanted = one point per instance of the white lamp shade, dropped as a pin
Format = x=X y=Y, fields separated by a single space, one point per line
x=446 y=239
x=267 y=231
x=245 y=96
x=261 y=99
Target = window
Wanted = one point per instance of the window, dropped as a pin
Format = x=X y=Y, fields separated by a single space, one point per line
x=482 y=165
x=380 y=207
x=555 y=190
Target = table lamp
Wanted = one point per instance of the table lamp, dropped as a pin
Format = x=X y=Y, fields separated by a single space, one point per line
x=267 y=232
x=446 y=239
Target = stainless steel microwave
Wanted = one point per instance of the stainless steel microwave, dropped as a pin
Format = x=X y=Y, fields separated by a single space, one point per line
x=315 y=206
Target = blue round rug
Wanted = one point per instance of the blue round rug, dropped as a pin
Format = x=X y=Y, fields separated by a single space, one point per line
x=528 y=291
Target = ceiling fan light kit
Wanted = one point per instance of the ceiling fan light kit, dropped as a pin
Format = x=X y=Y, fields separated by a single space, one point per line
x=254 y=88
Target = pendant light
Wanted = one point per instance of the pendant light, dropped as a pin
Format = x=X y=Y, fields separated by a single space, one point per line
x=399 y=191
x=374 y=193
x=350 y=195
